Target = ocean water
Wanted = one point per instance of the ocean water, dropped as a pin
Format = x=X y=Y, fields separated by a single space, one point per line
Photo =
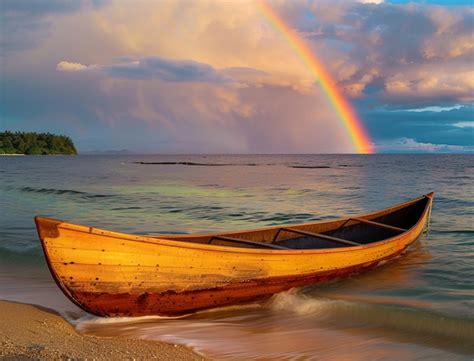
x=419 y=307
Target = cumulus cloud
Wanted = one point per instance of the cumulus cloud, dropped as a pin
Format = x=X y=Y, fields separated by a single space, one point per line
x=68 y=66
x=410 y=145
x=428 y=84
x=396 y=53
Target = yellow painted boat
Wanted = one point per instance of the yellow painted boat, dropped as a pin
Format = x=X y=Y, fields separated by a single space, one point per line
x=114 y=274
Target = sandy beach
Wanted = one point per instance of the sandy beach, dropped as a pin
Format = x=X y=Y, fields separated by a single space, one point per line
x=32 y=332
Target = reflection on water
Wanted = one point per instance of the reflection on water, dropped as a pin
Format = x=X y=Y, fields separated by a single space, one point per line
x=419 y=306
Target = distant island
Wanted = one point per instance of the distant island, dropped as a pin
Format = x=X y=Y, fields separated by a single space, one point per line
x=35 y=144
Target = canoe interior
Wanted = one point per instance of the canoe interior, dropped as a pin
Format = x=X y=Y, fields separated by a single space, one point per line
x=361 y=233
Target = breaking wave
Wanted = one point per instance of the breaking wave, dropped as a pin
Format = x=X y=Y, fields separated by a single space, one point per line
x=394 y=317
x=291 y=325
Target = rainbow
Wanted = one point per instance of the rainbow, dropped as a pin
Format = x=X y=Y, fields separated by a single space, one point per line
x=352 y=124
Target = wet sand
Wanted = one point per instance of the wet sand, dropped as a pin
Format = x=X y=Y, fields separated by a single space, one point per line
x=32 y=332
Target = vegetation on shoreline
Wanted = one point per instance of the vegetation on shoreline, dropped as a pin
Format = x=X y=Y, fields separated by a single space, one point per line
x=35 y=143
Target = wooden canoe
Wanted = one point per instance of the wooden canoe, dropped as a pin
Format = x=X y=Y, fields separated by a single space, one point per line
x=114 y=274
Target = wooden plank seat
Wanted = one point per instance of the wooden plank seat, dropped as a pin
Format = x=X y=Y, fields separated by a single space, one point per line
x=247 y=242
x=375 y=224
x=315 y=235
x=309 y=234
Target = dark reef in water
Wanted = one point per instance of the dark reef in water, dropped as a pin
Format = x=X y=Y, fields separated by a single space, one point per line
x=296 y=166
x=310 y=166
x=194 y=163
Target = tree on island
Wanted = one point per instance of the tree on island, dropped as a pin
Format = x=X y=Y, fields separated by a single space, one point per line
x=35 y=143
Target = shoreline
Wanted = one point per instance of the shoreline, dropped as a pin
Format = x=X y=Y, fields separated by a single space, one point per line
x=29 y=331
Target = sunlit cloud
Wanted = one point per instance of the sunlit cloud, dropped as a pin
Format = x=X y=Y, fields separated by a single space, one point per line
x=397 y=54
x=68 y=66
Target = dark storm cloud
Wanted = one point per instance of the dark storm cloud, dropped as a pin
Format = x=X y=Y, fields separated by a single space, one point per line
x=171 y=70
x=154 y=67
x=38 y=8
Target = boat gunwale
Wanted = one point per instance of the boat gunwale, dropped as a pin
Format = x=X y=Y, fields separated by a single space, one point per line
x=170 y=242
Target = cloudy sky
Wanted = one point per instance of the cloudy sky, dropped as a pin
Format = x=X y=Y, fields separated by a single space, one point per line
x=217 y=77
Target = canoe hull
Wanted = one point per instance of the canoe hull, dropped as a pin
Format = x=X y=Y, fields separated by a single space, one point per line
x=170 y=303
x=113 y=274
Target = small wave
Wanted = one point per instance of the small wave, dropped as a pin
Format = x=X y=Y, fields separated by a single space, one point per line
x=456 y=231
x=87 y=320
x=457 y=203
x=125 y=208
x=28 y=255
x=278 y=218
x=62 y=192
x=399 y=318
x=199 y=212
